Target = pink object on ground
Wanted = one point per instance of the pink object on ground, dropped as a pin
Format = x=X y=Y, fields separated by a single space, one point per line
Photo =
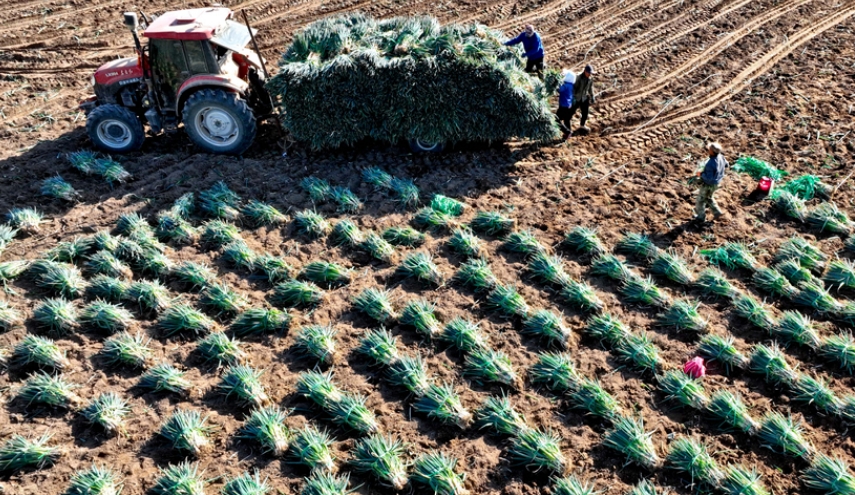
x=695 y=368
x=766 y=184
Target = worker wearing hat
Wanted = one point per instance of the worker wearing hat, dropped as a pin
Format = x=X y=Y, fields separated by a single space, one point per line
x=583 y=95
x=565 y=102
x=533 y=47
x=710 y=180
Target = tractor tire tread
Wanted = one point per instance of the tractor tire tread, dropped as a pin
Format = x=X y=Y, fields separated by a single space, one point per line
x=117 y=112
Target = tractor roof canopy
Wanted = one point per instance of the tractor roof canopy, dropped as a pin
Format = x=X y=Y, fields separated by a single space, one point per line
x=190 y=24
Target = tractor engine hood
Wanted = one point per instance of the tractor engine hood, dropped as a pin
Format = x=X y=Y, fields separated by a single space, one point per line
x=123 y=70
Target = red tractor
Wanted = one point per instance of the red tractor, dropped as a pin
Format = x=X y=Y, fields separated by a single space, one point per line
x=196 y=70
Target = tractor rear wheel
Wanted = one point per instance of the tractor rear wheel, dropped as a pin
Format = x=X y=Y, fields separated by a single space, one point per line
x=219 y=121
x=115 y=129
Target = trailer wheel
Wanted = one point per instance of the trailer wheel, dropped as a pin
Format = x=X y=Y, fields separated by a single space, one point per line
x=219 y=121
x=115 y=129
x=419 y=146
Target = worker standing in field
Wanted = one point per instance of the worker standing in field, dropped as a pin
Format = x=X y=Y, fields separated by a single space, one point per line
x=583 y=95
x=710 y=179
x=533 y=49
x=565 y=102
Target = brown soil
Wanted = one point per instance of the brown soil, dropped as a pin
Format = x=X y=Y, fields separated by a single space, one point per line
x=772 y=79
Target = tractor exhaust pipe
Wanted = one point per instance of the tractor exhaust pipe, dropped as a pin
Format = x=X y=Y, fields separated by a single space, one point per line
x=152 y=114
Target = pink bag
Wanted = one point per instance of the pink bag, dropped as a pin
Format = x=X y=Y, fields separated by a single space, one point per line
x=695 y=368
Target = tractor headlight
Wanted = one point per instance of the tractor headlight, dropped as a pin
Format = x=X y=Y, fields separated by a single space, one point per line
x=92 y=80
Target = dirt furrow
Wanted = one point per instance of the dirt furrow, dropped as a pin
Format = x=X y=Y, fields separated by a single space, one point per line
x=613 y=26
x=647 y=49
x=550 y=10
x=738 y=83
x=695 y=61
x=21 y=24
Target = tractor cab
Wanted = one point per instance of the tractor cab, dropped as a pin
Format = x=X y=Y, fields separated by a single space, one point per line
x=196 y=69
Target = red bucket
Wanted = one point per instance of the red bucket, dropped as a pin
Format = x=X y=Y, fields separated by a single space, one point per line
x=766 y=184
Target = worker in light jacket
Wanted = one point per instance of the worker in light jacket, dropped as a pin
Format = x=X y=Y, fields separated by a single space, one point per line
x=565 y=102
x=533 y=47
x=710 y=180
x=583 y=95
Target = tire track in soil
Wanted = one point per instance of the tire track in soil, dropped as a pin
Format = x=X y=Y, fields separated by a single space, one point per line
x=6 y=26
x=607 y=14
x=685 y=25
x=554 y=17
x=590 y=18
x=699 y=60
x=538 y=12
x=344 y=7
x=611 y=27
x=621 y=146
x=26 y=110
x=23 y=23
x=744 y=78
x=642 y=43
x=15 y=11
x=601 y=20
x=666 y=26
x=494 y=11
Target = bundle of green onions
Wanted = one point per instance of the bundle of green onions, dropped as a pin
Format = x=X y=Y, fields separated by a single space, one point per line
x=790 y=205
x=827 y=217
x=343 y=408
x=454 y=66
x=806 y=187
x=757 y=168
x=436 y=401
x=808 y=255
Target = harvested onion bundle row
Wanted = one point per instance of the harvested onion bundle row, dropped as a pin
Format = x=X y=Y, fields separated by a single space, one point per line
x=585 y=241
x=344 y=409
x=482 y=363
x=673 y=267
x=807 y=255
x=436 y=401
x=19 y=453
x=383 y=457
x=637 y=245
x=636 y=349
x=266 y=427
x=557 y=373
x=629 y=437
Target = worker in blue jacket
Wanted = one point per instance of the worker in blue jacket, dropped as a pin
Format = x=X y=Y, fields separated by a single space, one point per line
x=565 y=102
x=533 y=49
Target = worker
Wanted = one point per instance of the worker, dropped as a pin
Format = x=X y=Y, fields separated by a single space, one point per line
x=533 y=49
x=710 y=179
x=583 y=95
x=565 y=102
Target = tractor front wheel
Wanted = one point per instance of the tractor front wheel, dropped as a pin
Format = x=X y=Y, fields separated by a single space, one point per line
x=219 y=121
x=115 y=129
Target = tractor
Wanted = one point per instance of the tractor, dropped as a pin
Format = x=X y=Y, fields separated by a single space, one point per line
x=196 y=70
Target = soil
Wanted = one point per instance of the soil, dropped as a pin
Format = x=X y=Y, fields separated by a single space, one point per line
x=773 y=79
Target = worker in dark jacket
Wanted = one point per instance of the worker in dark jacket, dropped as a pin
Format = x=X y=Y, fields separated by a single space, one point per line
x=533 y=49
x=565 y=102
x=711 y=177
x=583 y=94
